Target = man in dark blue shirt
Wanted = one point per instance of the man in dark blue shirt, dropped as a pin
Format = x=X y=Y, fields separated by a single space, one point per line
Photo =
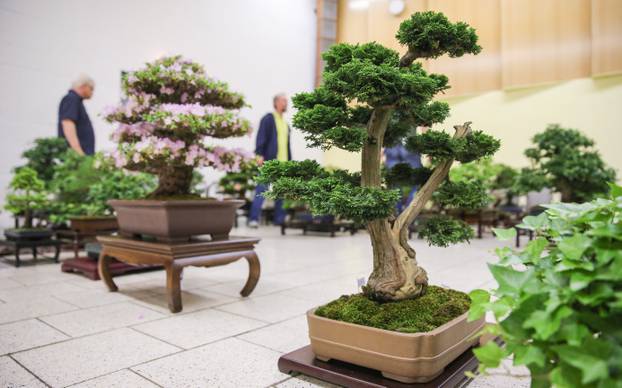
x=74 y=124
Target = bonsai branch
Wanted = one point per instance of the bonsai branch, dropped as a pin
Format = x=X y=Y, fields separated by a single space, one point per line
x=425 y=192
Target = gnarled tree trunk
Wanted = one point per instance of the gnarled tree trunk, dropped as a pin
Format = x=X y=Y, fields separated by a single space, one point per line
x=396 y=274
x=173 y=181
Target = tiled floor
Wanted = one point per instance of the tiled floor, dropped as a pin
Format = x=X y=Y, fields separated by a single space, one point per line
x=60 y=329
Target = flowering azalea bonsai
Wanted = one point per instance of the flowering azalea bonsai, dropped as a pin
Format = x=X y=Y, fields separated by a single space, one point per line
x=371 y=98
x=170 y=107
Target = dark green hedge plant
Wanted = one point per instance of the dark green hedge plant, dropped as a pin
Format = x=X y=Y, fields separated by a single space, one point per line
x=559 y=301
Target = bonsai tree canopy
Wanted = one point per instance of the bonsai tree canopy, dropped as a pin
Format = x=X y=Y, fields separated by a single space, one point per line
x=172 y=106
x=565 y=160
x=371 y=98
x=45 y=155
x=26 y=195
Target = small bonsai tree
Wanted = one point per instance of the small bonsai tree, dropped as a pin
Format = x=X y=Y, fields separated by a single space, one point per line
x=565 y=160
x=44 y=156
x=371 y=98
x=82 y=186
x=27 y=194
x=170 y=107
x=240 y=184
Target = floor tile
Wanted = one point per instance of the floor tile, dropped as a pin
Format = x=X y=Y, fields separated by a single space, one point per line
x=198 y=328
x=8 y=283
x=96 y=355
x=12 y=375
x=23 y=335
x=283 y=337
x=121 y=379
x=227 y=363
x=192 y=300
x=269 y=308
x=93 y=298
x=37 y=291
x=15 y=311
x=101 y=318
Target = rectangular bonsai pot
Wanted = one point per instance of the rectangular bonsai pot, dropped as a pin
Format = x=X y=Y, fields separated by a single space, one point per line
x=94 y=224
x=405 y=357
x=176 y=220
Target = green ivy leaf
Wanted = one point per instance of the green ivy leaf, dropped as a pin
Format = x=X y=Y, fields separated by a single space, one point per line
x=535 y=222
x=490 y=355
x=591 y=367
x=580 y=279
x=546 y=324
x=573 y=247
x=479 y=301
x=534 y=250
x=529 y=354
x=505 y=234
x=510 y=280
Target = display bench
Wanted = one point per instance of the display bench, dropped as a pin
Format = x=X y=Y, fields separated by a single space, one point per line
x=303 y=361
x=175 y=256
x=88 y=267
x=18 y=239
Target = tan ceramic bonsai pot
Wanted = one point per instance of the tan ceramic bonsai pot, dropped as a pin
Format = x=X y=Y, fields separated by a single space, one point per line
x=405 y=357
x=176 y=220
x=94 y=224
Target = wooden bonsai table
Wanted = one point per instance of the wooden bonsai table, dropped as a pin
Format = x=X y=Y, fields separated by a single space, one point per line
x=303 y=361
x=175 y=256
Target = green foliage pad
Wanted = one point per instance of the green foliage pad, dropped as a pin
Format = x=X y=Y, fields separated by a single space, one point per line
x=437 y=307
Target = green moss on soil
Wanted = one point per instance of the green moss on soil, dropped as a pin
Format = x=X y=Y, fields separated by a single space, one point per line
x=437 y=307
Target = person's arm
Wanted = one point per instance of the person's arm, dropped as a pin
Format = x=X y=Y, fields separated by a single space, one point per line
x=262 y=138
x=71 y=134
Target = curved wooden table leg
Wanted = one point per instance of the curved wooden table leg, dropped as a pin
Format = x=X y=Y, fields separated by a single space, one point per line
x=104 y=273
x=173 y=288
x=254 y=269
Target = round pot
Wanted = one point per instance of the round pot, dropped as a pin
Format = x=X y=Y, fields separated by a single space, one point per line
x=176 y=220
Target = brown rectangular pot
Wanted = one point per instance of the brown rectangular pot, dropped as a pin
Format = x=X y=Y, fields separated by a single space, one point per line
x=94 y=224
x=176 y=220
x=406 y=357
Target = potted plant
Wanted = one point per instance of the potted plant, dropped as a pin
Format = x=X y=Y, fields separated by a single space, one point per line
x=46 y=154
x=370 y=97
x=82 y=186
x=240 y=184
x=27 y=194
x=565 y=160
x=170 y=107
x=558 y=304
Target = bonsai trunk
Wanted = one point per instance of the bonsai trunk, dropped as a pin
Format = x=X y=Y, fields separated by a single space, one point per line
x=173 y=181
x=396 y=274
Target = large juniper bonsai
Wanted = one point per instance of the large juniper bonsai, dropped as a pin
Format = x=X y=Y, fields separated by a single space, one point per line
x=370 y=98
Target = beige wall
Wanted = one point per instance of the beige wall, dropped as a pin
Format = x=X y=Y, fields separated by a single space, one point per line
x=592 y=105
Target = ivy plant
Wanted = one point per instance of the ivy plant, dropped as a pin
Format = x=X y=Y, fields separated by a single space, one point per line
x=558 y=304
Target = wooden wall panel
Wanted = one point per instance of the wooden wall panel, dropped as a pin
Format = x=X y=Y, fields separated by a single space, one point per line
x=545 y=41
x=606 y=37
x=472 y=73
x=352 y=24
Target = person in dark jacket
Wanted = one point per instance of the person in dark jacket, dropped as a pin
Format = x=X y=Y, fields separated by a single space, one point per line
x=399 y=154
x=74 y=124
x=272 y=143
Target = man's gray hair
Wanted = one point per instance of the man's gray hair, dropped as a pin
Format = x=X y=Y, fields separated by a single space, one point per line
x=83 y=79
x=277 y=96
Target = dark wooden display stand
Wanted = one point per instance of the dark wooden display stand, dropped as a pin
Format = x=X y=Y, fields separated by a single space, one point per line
x=303 y=361
x=175 y=256
x=85 y=229
x=18 y=239
x=88 y=267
